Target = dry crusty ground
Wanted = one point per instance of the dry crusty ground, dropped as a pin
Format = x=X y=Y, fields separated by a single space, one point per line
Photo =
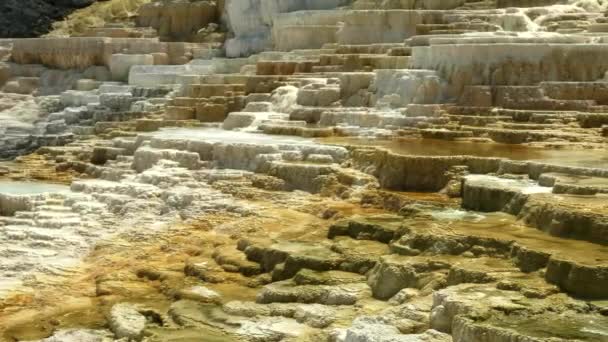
x=97 y=15
x=120 y=269
x=74 y=302
x=35 y=167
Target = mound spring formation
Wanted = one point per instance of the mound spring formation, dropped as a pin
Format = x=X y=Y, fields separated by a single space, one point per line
x=305 y=171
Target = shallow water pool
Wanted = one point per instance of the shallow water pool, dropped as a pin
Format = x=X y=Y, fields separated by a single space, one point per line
x=29 y=188
x=422 y=147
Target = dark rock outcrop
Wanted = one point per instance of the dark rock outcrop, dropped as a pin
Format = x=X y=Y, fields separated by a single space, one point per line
x=32 y=18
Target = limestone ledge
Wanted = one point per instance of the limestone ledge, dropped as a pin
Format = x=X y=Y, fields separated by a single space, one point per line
x=81 y=53
x=402 y=172
x=479 y=63
x=252 y=22
x=10 y=203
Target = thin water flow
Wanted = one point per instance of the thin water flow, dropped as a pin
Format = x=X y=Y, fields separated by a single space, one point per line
x=224 y=136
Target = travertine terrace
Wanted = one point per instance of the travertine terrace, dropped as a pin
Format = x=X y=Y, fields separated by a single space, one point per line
x=307 y=171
